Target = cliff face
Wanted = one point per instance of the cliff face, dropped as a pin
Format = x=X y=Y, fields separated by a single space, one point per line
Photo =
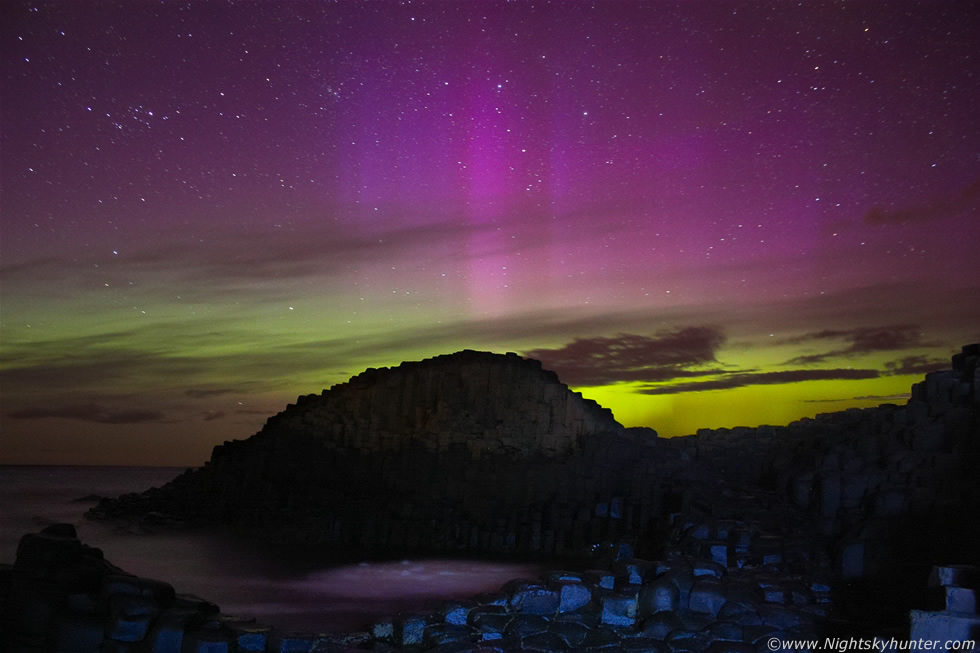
x=489 y=403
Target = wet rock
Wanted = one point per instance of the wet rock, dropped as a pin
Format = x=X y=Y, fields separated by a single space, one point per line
x=659 y=596
x=739 y=613
x=618 y=608
x=961 y=599
x=456 y=613
x=661 y=624
x=601 y=639
x=545 y=642
x=707 y=596
x=443 y=633
x=490 y=620
x=572 y=595
x=383 y=630
x=722 y=630
x=704 y=567
x=570 y=633
x=779 y=616
x=525 y=625
x=532 y=598
x=944 y=627
x=642 y=645
x=687 y=641
x=409 y=630
x=955 y=576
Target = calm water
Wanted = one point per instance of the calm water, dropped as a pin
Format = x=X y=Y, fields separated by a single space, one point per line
x=307 y=594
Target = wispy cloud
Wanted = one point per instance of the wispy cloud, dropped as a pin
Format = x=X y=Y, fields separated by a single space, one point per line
x=90 y=413
x=254 y=260
x=918 y=365
x=112 y=373
x=741 y=379
x=884 y=398
x=630 y=357
x=858 y=341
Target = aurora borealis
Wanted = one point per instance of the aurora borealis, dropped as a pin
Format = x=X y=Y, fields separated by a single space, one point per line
x=699 y=214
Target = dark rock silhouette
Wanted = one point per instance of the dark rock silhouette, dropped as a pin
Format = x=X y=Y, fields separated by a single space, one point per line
x=487 y=403
x=471 y=451
x=719 y=540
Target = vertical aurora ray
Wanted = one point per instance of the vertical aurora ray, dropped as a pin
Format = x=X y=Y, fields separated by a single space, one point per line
x=200 y=222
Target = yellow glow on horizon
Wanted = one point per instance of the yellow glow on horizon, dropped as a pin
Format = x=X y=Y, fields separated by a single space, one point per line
x=684 y=413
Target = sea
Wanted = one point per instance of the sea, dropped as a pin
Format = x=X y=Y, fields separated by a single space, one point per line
x=308 y=592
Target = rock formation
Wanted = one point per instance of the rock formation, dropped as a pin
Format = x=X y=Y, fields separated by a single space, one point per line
x=485 y=402
x=827 y=525
x=472 y=451
x=866 y=478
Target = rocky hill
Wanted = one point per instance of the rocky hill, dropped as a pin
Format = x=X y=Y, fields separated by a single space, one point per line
x=487 y=403
x=470 y=451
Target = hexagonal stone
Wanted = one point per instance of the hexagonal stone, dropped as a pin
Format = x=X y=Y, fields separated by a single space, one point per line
x=443 y=633
x=619 y=609
x=661 y=625
x=643 y=645
x=707 y=596
x=570 y=633
x=571 y=595
x=544 y=642
x=708 y=568
x=409 y=630
x=659 y=596
x=955 y=576
x=525 y=625
x=532 y=598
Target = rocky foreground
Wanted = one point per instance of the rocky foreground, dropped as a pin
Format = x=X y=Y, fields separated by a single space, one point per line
x=719 y=541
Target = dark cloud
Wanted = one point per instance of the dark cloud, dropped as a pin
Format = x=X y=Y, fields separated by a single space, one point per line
x=90 y=413
x=884 y=339
x=858 y=341
x=741 y=379
x=47 y=369
x=102 y=371
x=918 y=365
x=201 y=393
x=884 y=398
x=629 y=357
x=881 y=399
x=941 y=208
x=211 y=416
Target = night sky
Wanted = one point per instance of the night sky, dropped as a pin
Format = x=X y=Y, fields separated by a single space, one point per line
x=698 y=213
